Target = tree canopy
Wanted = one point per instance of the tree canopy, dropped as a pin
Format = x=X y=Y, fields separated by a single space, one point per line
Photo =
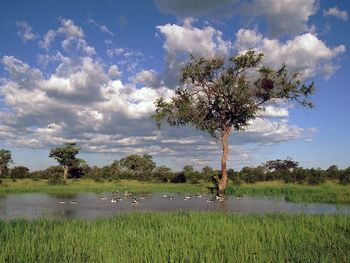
x=218 y=96
x=5 y=160
x=66 y=156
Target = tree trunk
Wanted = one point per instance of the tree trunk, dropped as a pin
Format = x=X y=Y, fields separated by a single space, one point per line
x=65 y=172
x=223 y=180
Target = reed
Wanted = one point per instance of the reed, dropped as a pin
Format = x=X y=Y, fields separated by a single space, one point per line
x=179 y=237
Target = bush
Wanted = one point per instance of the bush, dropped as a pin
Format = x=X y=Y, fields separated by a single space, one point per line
x=315 y=176
x=56 y=179
x=344 y=177
x=234 y=177
x=19 y=172
x=178 y=178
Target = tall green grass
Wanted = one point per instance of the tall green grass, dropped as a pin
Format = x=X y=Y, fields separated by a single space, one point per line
x=329 y=192
x=179 y=237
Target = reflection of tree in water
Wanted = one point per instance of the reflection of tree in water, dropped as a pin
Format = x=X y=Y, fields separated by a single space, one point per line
x=224 y=205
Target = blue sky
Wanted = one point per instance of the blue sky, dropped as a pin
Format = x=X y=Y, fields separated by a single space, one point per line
x=89 y=71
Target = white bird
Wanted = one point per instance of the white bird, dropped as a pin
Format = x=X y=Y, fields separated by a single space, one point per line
x=62 y=202
x=113 y=200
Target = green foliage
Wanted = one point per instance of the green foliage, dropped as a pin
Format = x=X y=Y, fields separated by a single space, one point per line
x=191 y=175
x=219 y=95
x=344 y=177
x=5 y=160
x=142 y=166
x=162 y=174
x=19 y=172
x=178 y=237
x=66 y=155
x=56 y=179
x=332 y=172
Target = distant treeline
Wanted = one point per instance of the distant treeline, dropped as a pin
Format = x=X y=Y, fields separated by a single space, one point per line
x=143 y=168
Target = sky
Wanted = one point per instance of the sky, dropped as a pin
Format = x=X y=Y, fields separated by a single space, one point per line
x=89 y=71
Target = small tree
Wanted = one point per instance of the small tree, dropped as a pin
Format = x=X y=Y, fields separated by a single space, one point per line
x=65 y=156
x=218 y=97
x=5 y=160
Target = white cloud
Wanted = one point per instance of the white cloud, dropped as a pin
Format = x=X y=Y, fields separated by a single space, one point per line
x=334 y=11
x=283 y=17
x=74 y=38
x=182 y=40
x=298 y=53
x=149 y=78
x=114 y=72
x=102 y=27
x=25 y=31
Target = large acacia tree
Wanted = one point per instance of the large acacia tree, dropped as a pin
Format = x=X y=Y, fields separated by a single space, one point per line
x=219 y=96
x=66 y=156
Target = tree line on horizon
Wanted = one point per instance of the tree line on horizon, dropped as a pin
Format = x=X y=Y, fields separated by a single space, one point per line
x=144 y=168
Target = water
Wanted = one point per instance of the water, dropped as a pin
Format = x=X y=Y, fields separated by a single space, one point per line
x=93 y=205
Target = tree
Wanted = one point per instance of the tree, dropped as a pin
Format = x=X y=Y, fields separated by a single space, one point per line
x=141 y=166
x=281 y=165
x=218 y=97
x=5 y=160
x=19 y=172
x=66 y=156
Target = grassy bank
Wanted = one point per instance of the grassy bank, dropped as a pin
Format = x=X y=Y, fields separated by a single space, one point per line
x=179 y=237
x=329 y=192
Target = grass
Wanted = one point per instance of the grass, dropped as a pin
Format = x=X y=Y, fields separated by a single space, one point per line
x=329 y=192
x=179 y=237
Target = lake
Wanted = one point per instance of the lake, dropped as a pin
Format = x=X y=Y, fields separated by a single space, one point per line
x=93 y=205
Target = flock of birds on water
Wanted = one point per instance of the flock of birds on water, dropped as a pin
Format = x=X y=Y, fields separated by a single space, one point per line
x=136 y=200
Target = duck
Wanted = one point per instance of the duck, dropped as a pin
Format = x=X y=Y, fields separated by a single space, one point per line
x=239 y=197
x=210 y=201
x=142 y=198
x=187 y=198
x=165 y=196
x=114 y=200
x=103 y=198
x=135 y=201
x=73 y=202
x=62 y=202
x=220 y=198
x=198 y=196
x=126 y=193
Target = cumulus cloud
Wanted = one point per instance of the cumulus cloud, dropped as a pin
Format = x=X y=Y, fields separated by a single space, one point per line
x=298 y=53
x=74 y=38
x=149 y=78
x=25 y=31
x=182 y=40
x=334 y=11
x=283 y=17
x=83 y=99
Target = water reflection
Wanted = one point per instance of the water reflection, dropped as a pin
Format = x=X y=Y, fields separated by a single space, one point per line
x=92 y=205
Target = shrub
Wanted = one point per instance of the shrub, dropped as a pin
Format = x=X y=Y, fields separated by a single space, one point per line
x=56 y=179
x=234 y=177
x=344 y=176
x=315 y=176
x=178 y=178
x=19 y=172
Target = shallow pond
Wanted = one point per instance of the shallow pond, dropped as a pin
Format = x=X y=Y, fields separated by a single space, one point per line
x=92 y=205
